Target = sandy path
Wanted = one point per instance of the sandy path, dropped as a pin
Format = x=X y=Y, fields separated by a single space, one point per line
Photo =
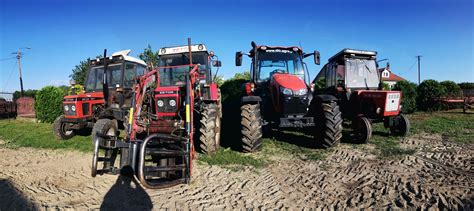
x=439 y=175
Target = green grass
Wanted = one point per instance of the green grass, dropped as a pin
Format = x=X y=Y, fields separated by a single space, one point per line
x=232 y=159
x=24 y=133
x=453 y=125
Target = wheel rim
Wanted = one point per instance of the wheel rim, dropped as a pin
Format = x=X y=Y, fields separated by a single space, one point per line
x=63 y=129
x=94 y=158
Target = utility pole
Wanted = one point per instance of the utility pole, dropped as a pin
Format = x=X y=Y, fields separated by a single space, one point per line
x=18 y=57
x=419 y=78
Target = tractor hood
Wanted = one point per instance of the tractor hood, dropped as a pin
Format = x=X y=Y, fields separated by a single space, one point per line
x=288 y=81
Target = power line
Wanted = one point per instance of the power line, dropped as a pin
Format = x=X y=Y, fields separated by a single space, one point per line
x=409 y=69
x=10 y=76
x=4 y=59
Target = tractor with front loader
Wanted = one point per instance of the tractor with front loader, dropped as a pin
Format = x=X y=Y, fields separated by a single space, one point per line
x=353 y=78
x=279 y=96
x=109 y=100
x=171 y=107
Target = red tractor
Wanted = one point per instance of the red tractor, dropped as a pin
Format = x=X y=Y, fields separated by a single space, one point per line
x=83 y=110
x=278 y=96
x=352 y=77
x=172 y=106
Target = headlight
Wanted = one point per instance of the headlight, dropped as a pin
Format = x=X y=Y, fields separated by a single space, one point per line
x=287 y=91
x=172 y=103
x=73 y=108
x=160 y=103
x=66 y=108
x=302 y=92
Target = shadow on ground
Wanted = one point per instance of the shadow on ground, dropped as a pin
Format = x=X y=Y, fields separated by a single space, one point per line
x=12 y=199
x=126 y=194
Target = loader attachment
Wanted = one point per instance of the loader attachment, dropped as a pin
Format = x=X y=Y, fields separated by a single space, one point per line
x=164 y=161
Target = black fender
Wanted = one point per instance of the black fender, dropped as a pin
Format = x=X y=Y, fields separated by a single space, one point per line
x=250 y=99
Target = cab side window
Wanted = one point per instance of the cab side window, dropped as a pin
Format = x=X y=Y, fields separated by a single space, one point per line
x=129 y=75
x=330 y=75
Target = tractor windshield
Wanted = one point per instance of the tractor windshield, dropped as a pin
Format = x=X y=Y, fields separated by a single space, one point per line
x=281 y=61
x=171 y=71
x=96 y=75
x=361 y=73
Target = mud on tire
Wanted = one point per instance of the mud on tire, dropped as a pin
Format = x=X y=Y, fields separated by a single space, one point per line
x=328 y=121
x=209 y=129
x=251 y=127
x=60 y=130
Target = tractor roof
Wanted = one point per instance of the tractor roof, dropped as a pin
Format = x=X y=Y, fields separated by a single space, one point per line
x=353 y=52
x=124 y=56
x=182 y=49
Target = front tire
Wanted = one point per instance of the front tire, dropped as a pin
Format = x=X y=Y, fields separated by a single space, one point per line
x=402 y=127
x=328 y=122
x=60 y=128
x=104 y=127
x=251 y=127
x=362 y=129
x=210 y=129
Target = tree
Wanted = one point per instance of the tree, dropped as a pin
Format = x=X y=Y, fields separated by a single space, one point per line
x=79 y=73
x=245 y=75
x=408 y=90
x=150 y=57
x=219 y=80
x=27 y=93
x=429 y=92
x=451 y=88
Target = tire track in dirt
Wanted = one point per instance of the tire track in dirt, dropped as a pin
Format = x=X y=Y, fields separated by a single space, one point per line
x=439 y=175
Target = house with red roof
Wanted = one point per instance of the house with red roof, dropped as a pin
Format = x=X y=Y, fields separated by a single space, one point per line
x=387 y=76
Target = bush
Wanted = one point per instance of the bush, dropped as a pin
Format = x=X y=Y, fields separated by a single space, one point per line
x=48 y=104
x=451 y=88
x=429 y=92
x=408 y=90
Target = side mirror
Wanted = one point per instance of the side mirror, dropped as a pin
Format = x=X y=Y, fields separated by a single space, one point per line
x=216 y=63
x=317 y=58
x=238 y=58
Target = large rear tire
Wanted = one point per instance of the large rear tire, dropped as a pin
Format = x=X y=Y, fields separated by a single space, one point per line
x=251 y=127
x=60 y=128
x=402 y=127
x=210 y=129
x=328 y=122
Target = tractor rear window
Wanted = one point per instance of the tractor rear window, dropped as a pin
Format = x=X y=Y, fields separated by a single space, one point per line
x=361 y=73
x=96 y=75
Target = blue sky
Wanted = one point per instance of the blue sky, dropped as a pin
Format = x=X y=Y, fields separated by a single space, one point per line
x=61 y=33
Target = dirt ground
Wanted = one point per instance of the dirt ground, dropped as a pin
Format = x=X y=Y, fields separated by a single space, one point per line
x=439 y=175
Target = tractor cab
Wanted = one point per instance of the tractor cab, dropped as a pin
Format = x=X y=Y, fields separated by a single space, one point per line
x=122 y=69
x=173 y=67
x=350 y=70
